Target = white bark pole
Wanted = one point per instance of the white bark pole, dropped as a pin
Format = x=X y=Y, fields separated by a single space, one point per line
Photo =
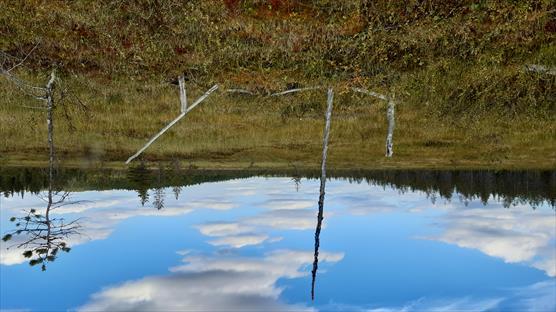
x=183 y=94
x=322 y=190
x=391 y=124
x=50 y=124
x=173 y=122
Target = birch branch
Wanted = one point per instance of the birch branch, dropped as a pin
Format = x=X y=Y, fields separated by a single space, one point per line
x=371 y=93
x=242 y=91
x=173 y=122
x=295 y=90
x=24 y=59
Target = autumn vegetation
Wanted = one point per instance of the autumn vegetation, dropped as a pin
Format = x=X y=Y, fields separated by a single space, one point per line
x=456 y=68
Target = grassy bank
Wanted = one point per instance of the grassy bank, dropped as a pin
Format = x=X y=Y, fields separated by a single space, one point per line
x=237 y=132
x=457 y=72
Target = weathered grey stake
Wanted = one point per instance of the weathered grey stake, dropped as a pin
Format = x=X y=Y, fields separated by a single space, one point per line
x=391 y=124
x=322 y=189
x=389 y=115
x=173 y=122
x=183 y=94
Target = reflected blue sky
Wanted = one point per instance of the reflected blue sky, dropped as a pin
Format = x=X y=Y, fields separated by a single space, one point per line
x=247 y=244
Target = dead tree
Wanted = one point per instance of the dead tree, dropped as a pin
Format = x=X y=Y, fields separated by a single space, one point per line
x=40 y=235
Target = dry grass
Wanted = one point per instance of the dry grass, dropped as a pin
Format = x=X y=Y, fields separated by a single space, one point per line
x=239 y=131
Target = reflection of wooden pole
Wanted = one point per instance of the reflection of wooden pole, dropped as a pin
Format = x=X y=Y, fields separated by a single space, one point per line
x=391 y=124
x=173 y=122
x=322 y=189
x=183 y=94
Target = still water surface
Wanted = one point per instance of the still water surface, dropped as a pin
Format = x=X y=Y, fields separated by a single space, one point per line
x=404 y=241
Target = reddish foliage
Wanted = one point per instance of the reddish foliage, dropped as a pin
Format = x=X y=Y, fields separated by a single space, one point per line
x=550 y=26
x=231 y=5
x=180 y=50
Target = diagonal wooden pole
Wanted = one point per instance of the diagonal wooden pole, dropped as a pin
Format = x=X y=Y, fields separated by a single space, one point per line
x=173 y=122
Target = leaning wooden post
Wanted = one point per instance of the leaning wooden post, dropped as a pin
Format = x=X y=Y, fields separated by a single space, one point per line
x=183 y=94
x=391 y=124
x=173 y=122
x=322 y=189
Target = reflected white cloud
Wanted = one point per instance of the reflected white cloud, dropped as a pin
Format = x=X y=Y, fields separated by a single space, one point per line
x=224 y=228
x=99 y=217
x=515 y=235
x=288 y=204
x=286 y=219
x=538 y=297
x=239 y=241
x=208 y=283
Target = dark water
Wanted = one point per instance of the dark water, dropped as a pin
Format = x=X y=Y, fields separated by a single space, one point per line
x=184 y=240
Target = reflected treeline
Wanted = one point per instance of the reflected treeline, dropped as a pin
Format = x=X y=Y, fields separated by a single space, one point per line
x=511 y=187
x=531 y=187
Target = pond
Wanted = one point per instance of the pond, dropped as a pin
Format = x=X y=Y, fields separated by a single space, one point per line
x=167 y=240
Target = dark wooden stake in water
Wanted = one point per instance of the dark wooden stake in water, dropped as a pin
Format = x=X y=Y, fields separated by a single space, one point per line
x=322 y=188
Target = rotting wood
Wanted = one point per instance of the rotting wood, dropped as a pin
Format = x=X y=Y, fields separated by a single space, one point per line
x=320 y=215
x=183 y=94
x=173 y=122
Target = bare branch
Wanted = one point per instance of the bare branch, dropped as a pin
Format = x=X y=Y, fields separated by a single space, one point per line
x=25 y=58
x=295 y=90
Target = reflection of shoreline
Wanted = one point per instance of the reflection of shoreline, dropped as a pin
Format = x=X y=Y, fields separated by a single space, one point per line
x=523 y=187
x=531 y=228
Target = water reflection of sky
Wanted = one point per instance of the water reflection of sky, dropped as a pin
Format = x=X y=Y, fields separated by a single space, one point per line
x=247 y=245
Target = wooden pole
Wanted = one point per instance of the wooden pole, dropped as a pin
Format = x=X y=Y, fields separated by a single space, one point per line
x=173 y=122
x=391 y=124
x=183 y=94
x=322 y=190
x=50 y=125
